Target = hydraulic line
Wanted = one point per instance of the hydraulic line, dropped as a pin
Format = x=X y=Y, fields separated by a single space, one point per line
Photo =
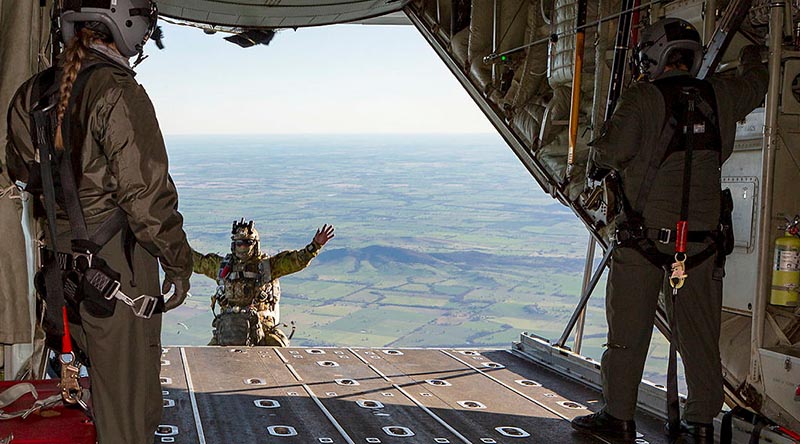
x=574 y=110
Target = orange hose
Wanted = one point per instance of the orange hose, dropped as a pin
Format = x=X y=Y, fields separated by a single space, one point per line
x=576 y=98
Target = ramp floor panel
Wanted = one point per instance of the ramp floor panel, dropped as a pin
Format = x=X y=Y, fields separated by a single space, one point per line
x=357 y=395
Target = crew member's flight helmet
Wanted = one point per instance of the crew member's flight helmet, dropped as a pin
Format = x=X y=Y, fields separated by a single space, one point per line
x=660 y=40
x=130 y=22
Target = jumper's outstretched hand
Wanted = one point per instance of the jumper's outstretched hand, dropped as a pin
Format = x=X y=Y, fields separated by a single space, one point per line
x=323 y=235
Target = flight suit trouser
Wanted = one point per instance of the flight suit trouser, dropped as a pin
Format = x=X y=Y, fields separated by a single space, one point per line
x=632 y=293
x=125 y=356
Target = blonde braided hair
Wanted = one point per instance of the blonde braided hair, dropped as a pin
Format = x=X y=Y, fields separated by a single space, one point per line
x=73 y=59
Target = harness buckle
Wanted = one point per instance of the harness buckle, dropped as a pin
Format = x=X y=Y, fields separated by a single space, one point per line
x=664 y=235
x=144 y=306
x=82 y=261
x=627 y=233
x=110 y=290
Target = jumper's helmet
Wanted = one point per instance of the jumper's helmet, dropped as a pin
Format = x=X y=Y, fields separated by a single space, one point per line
x=661 y=40
x=130 y=22
x=244 y=239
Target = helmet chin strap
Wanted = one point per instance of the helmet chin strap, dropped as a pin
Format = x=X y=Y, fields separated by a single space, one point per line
x=158 y=37
x=139 y=59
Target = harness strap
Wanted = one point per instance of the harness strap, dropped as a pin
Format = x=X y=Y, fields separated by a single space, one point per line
x=43 y=129
x=17 y=391
x=663 y=235
x=673 y=406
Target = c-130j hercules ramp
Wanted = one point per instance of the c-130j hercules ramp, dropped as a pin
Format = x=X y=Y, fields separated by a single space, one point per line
x=517 y=59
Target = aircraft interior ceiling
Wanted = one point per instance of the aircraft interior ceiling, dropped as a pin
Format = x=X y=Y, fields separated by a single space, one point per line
x=276 y=13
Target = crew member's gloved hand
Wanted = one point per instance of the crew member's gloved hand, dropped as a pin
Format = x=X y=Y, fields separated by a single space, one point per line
x=178 y=296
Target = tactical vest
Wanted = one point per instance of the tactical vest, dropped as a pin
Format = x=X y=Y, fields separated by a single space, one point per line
x=241 y=284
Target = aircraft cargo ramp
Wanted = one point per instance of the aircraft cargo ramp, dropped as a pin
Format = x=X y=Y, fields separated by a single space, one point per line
x=362 y=395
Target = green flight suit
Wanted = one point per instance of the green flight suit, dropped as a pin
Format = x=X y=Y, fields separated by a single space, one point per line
x=123 y=162
x=258 y=292
x=634 y=282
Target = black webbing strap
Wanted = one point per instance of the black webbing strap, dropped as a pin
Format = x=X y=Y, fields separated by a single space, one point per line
x=673 y=405
x=42 y=125
x=117 y=220
x=755 y=435
x=726 y=427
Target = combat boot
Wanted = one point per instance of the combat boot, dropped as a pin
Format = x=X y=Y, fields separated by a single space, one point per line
x=693 y=433
x=601 y=423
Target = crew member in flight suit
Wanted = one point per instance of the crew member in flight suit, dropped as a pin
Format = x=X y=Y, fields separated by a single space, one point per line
x=120 y=163
x=248 y=290
x=669 y=56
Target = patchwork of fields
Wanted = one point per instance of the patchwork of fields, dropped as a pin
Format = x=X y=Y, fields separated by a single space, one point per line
x=440 y=240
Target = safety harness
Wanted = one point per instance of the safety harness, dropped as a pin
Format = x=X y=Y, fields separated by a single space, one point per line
x=691 y=125
x=67 y=280
x=632 y=232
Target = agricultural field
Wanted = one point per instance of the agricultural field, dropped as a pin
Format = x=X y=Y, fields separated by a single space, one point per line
x=441 y=241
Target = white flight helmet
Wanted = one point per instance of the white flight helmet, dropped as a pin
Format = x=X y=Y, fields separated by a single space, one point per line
x=131 y=22
x=659 y=40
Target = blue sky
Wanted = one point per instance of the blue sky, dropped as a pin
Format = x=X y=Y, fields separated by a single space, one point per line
x=332 y=79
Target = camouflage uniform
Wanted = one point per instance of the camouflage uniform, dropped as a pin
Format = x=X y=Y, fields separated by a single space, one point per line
x=248 y=294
